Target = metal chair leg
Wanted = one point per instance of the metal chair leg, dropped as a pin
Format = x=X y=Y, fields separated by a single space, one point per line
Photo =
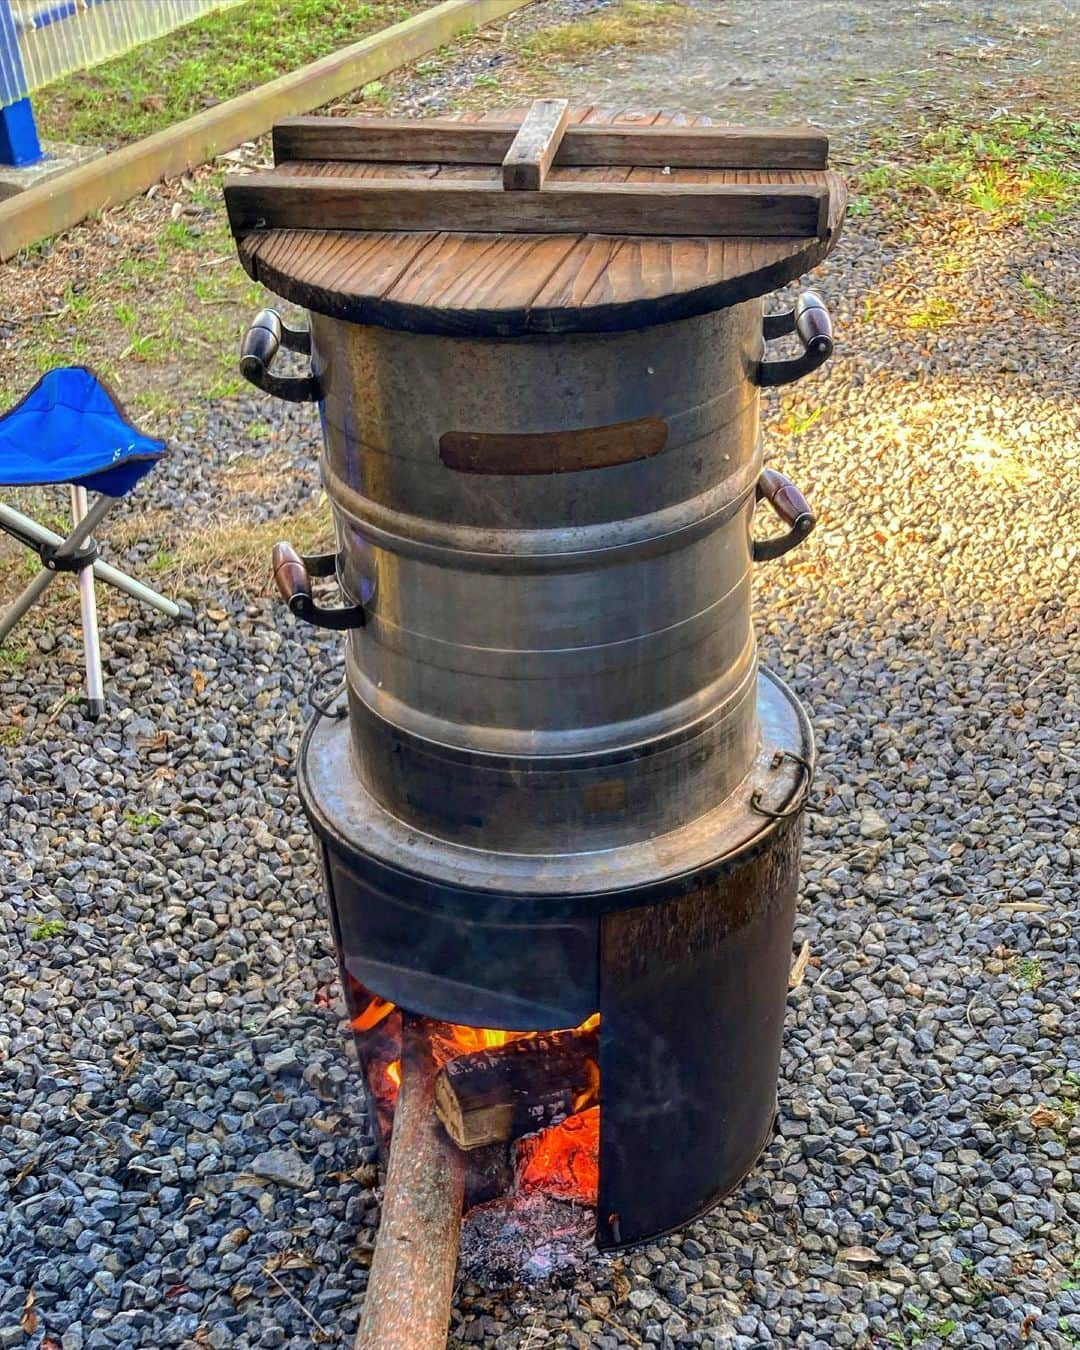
x=95 y=689
x=25 y=602
x=29 y=532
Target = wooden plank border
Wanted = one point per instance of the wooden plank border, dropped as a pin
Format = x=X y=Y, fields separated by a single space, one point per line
x=59 y=203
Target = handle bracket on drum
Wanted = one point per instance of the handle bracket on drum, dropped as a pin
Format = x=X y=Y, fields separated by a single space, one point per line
x=265 y=335
x=810 y=319
x=292 y=575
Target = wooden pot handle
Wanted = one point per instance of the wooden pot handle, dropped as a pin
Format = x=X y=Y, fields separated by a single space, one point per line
x=792 y=508
x=292 y=576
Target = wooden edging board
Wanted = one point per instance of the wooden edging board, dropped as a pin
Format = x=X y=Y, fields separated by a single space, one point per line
x=61 y=202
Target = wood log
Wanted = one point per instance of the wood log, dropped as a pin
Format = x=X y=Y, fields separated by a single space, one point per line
x=411 y=1281
x=518 y=1088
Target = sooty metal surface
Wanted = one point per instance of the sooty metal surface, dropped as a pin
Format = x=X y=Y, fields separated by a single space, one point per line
x=682 y=943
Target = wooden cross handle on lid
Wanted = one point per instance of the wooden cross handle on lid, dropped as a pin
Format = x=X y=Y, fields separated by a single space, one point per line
x=534 y=147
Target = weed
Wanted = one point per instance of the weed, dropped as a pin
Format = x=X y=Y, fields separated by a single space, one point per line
x=1029 y=972
x=178 y=234
x=796 y=424
x=11 y=735
x=162 y=561
x=142 y=820
x=77 y=304
x=375 y=92
x=14 y=658
x=1040 y=302
x=42 y=932
x=936 y=312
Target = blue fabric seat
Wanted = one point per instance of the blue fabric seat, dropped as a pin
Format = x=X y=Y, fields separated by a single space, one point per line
x=70 y=429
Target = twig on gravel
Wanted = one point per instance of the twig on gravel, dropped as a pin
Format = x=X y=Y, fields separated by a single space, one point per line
x=59 y=707
x=629 y=1335
x=290 y=1295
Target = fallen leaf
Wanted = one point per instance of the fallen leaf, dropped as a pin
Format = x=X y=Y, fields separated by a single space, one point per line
x=175 y=1290
x=798 y=970
x=218 y=615
x=29 y=1319
x=858 y=1256
x=325 y=1124
x=1026 y=1325
x=620 y=1287
x=1045 y=1117
x=198 y=681
x=239 y=1292
x=153 y=103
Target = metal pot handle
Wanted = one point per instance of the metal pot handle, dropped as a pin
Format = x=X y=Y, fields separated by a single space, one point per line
x=265 y=334
x=292 y=574
x=810 y=319
x=792 y=508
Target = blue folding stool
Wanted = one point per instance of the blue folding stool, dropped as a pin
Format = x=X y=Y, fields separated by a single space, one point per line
x=69 y=429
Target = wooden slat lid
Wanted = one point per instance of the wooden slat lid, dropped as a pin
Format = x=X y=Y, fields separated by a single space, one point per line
x=609 y=183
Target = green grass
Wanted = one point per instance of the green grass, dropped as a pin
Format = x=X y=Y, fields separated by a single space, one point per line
x=934 y=313
x=203 y=63
x=42 y=932
x=142 y=820
x=1029 y=972
x=14 y=658
x=1040 y=302
x=1025 y=168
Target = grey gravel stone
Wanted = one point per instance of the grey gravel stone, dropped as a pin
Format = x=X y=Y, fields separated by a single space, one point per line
x=284 y=1167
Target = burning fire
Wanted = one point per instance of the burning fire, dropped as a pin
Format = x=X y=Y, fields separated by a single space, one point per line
x=561 y=1161
x=564 y=1161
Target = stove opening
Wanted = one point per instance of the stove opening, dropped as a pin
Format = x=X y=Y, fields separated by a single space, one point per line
x=523 y=1106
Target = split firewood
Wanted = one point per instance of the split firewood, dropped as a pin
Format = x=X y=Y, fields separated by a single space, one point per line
x=490 y=1096
x=411 y=1282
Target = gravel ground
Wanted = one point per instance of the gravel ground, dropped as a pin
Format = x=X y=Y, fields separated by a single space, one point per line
x=183 y=1158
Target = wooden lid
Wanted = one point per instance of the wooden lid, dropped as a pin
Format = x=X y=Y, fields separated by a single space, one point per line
x=601 y=264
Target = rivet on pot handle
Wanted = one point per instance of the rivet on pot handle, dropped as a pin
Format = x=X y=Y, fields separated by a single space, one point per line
x=265 y=334
x=292 y=574
x=810 y=319
x=792 y=508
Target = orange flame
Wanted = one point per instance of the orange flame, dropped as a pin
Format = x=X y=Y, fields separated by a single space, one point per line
x=562 y=1161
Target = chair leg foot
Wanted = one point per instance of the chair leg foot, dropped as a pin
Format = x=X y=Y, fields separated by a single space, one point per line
x=95 y=707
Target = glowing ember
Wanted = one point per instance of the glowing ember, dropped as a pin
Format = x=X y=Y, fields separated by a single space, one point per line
x=564 y=1161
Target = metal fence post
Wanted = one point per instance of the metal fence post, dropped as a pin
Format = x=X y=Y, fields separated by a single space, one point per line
x=19 y=142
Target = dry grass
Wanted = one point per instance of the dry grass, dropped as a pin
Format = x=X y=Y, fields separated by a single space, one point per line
x=536 y=63
x=237 y=551
x=632 y=24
